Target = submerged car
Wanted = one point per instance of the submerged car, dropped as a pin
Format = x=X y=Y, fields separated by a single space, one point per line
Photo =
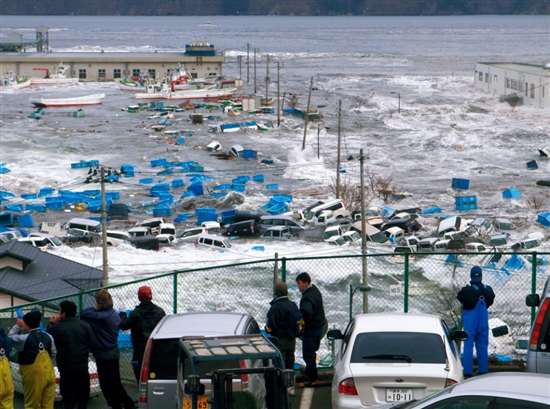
x=393 y=357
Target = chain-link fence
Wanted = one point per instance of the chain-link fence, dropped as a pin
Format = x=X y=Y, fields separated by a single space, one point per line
x=415 y=283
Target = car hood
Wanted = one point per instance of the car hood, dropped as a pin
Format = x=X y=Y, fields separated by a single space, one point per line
x=372 y=379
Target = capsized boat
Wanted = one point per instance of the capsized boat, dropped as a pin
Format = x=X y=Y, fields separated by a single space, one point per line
x=59 y=78
x=10 y=81
x=94 y=99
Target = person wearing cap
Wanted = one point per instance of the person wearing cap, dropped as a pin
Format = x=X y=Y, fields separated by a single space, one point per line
x=36 y=351
x=105 y=323
x=73 y=339
x=141 y=321
x=6 y=381
x=476 y=298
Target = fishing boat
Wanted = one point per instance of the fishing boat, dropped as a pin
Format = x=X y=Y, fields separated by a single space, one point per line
x=207 y=92
x=313 y=114
x=94 y=99
x=55 y=79
x=10 y=81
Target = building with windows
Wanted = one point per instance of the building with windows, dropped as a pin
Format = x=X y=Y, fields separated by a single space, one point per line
x=527 y=83
x=200 y=59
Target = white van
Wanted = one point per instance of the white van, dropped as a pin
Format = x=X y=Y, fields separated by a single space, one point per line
x=337 y=206
x=93 y=226
x=10 y=235
x=210 y=240
x=41 y=240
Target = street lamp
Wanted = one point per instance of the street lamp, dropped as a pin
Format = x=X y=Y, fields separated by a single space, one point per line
x=318 y=146
x=398 y=101
x=363 y=289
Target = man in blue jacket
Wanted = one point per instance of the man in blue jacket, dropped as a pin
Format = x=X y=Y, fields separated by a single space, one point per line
x=476 y=298
x=105 y=323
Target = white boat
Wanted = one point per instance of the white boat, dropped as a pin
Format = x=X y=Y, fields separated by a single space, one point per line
x=94 y=99
x=59 y=78
x=208 y=92
x=10 y=81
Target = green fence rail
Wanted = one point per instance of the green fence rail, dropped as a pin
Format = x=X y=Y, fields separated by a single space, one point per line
x=413 y=283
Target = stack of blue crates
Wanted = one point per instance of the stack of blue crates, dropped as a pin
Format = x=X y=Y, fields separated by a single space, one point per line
x=466 y=203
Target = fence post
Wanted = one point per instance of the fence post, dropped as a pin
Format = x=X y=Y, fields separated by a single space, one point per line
x=175 y=294
x=533 y=281
x=406 y=284
x=283 y=269
x=80 y=302
x=276 y=270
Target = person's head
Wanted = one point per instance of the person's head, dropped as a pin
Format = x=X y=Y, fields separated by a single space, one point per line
x=145 y=293
x=31 y=320
x=67 y=309
x=103 y=300
x=281 y=289
x=303 y=280
x=476 y=274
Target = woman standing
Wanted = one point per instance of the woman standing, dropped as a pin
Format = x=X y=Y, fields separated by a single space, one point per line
x=105 y=323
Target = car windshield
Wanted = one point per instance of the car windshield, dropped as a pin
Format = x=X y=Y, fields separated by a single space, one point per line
x=56 y=241
x=391 y=347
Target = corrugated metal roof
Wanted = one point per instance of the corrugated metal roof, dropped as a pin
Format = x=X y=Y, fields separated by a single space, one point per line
x=47 y=276
x=525 y=68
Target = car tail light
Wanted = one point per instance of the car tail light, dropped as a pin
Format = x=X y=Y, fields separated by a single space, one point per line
x=347 y=387
x=535 y=334
x=242 y=364
x=145 y=372
x=94 y=376
x=449 y=382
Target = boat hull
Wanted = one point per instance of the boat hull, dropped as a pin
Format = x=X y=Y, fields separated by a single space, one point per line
x=190 y=94
x=19 y=85
x=53 y=81
x=68 y=102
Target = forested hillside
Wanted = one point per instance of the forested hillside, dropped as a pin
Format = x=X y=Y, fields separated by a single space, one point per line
x=272 y=7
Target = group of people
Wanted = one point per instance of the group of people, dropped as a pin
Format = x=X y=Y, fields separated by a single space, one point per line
x=71 y=340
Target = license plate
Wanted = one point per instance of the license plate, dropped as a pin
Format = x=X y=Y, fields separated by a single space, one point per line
x=202 y=402
x=398 y=395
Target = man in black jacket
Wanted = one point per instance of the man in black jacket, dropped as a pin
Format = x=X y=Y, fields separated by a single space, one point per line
x=311 y=306
x=278 y=318
x=142 y=321
x=73 y=339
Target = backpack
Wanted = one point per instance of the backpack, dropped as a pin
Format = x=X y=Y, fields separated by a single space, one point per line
x=295 y=324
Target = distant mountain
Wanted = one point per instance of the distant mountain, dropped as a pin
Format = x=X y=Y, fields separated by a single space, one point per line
x=272 y=7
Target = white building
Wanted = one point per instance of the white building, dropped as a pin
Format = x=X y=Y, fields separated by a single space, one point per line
x=531 y=83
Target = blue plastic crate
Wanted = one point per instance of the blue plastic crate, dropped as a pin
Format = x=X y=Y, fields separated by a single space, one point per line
x=14 y=207
x=29 y=196
x=249 y=154
x=238 y=187
x=181 y=217
x=460 y=183
x=273 y=186
x=45 y=191
x=177 y=183
x=512 y=193
x=162 y=211
x=258 y=178
x=35 y=207
x=197 y=168
x=93 y=193
x=127 y=170
x=241 y=179
x=196 y=190
x=282 y=198
x=465 y=200
x=158 y=162
x=112 y=195
x=160 y=187
x=532 y=165
x=55 y=205
x=464 y=207
x=220 y=188
x=25 y=221
x=228 y=216
x=218 y=195
x=207 y=218
x=432 y=210
x=201 y=211
x=146 y=181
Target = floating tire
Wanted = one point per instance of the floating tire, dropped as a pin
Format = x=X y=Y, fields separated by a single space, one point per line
x=543 y=183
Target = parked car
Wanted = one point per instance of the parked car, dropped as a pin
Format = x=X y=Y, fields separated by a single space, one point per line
x=296 y=226
x=479 y=226
x=526 y=244
x=79 y=236
x=191 y=235
x=338 y=241
x=140 y=231
x=400 y=252
x=243 y=229
x=277 y=233
x=144 y=242
x=210 y=240
x=371 y=232
x=90 y=225
x=116 y=237
x=152 y=223
x=167 y=228
x=159 y=370
x=393 y=357
x=449 y=224
x=41 y=240
x=337 y=206
x=499 y=390
x=538 y=354
x=394 y=234
x=9 y=235
x=325 y=218
x=331 y=231
x=373 y=216
x=427 y=244
x=409 y=225
x=165 y=239
x=212 y=227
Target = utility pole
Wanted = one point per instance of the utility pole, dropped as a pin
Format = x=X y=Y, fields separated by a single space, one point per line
x=364 y=236
x=247 y=63
x=240 y=59
x=339 y=140
x=306 y=114
x=104 y=230
x=267 y=78
x=278 y=95
x=255 y=90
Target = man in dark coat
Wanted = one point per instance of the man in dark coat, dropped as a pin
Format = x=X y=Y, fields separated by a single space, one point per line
x=278 y=318
x=105 y=323
x=142 y=321
x=73 y=339
x=311 y=306
x=476 y=298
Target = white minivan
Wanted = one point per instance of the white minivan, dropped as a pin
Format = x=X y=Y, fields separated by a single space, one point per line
x=337 y=206
x=93 y=226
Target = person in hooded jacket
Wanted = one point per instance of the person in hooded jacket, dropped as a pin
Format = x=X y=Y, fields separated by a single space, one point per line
x=36 y=351
x=105 y=323
x=141 y=321
x=476 y=298
x=6 y=381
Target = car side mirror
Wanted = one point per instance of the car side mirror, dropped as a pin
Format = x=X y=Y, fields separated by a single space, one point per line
x=532 y=300
x=459 y=335
x=334 y=334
